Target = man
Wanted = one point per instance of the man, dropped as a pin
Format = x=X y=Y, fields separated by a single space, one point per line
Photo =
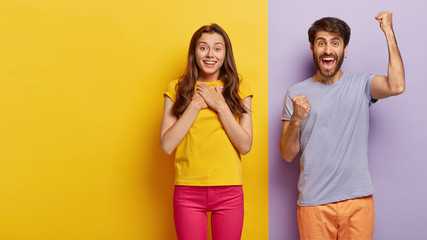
x=327 y=118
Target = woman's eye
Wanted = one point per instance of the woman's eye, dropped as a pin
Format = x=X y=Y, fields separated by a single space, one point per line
x=203 y=48
x=217 y=49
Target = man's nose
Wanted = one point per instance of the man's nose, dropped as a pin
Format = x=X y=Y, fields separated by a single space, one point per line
x=328 y=49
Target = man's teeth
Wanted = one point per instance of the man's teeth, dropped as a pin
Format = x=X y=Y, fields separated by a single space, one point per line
x=328 y=59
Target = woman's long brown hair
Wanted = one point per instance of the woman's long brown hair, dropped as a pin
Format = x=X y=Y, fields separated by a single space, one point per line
x=228 y=74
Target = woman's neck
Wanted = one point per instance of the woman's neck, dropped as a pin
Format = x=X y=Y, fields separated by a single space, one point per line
x=208 y=77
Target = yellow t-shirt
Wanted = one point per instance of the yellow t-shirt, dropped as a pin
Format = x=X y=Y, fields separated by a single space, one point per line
x=206 y=156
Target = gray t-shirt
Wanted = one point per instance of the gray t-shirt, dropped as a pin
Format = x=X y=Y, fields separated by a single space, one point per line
x=333 y=139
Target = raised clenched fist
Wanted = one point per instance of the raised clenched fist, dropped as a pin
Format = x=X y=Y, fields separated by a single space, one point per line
x=385 y=20
x=301 y=108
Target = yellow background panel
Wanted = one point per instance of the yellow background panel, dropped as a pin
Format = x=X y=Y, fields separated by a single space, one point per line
x=81 y=99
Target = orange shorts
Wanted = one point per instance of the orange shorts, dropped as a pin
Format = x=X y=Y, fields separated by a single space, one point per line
x=349 y=219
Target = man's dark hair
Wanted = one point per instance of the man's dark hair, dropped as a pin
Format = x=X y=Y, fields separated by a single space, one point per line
x=332 y=25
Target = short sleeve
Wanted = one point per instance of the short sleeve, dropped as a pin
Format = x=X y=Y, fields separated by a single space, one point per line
x=287 y=107
x=369 y=77
x=171 y=90
x=244 y=90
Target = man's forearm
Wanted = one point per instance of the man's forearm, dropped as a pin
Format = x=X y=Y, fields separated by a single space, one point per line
x=289 y=140
x=396 y=72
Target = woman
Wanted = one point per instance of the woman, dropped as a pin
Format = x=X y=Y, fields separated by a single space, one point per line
x=207 y=119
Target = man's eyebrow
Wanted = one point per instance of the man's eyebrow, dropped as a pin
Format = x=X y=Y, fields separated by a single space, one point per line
x=333 y=39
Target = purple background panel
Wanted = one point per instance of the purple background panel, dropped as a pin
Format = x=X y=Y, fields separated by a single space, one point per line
x=398 y=135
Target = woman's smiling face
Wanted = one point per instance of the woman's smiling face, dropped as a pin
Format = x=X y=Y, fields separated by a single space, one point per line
x=210 y=54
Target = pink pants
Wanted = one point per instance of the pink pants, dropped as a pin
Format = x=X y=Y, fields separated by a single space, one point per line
x=190 y=205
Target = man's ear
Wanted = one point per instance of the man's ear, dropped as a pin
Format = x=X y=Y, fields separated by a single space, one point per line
x=311 y=48
x=345 y=50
